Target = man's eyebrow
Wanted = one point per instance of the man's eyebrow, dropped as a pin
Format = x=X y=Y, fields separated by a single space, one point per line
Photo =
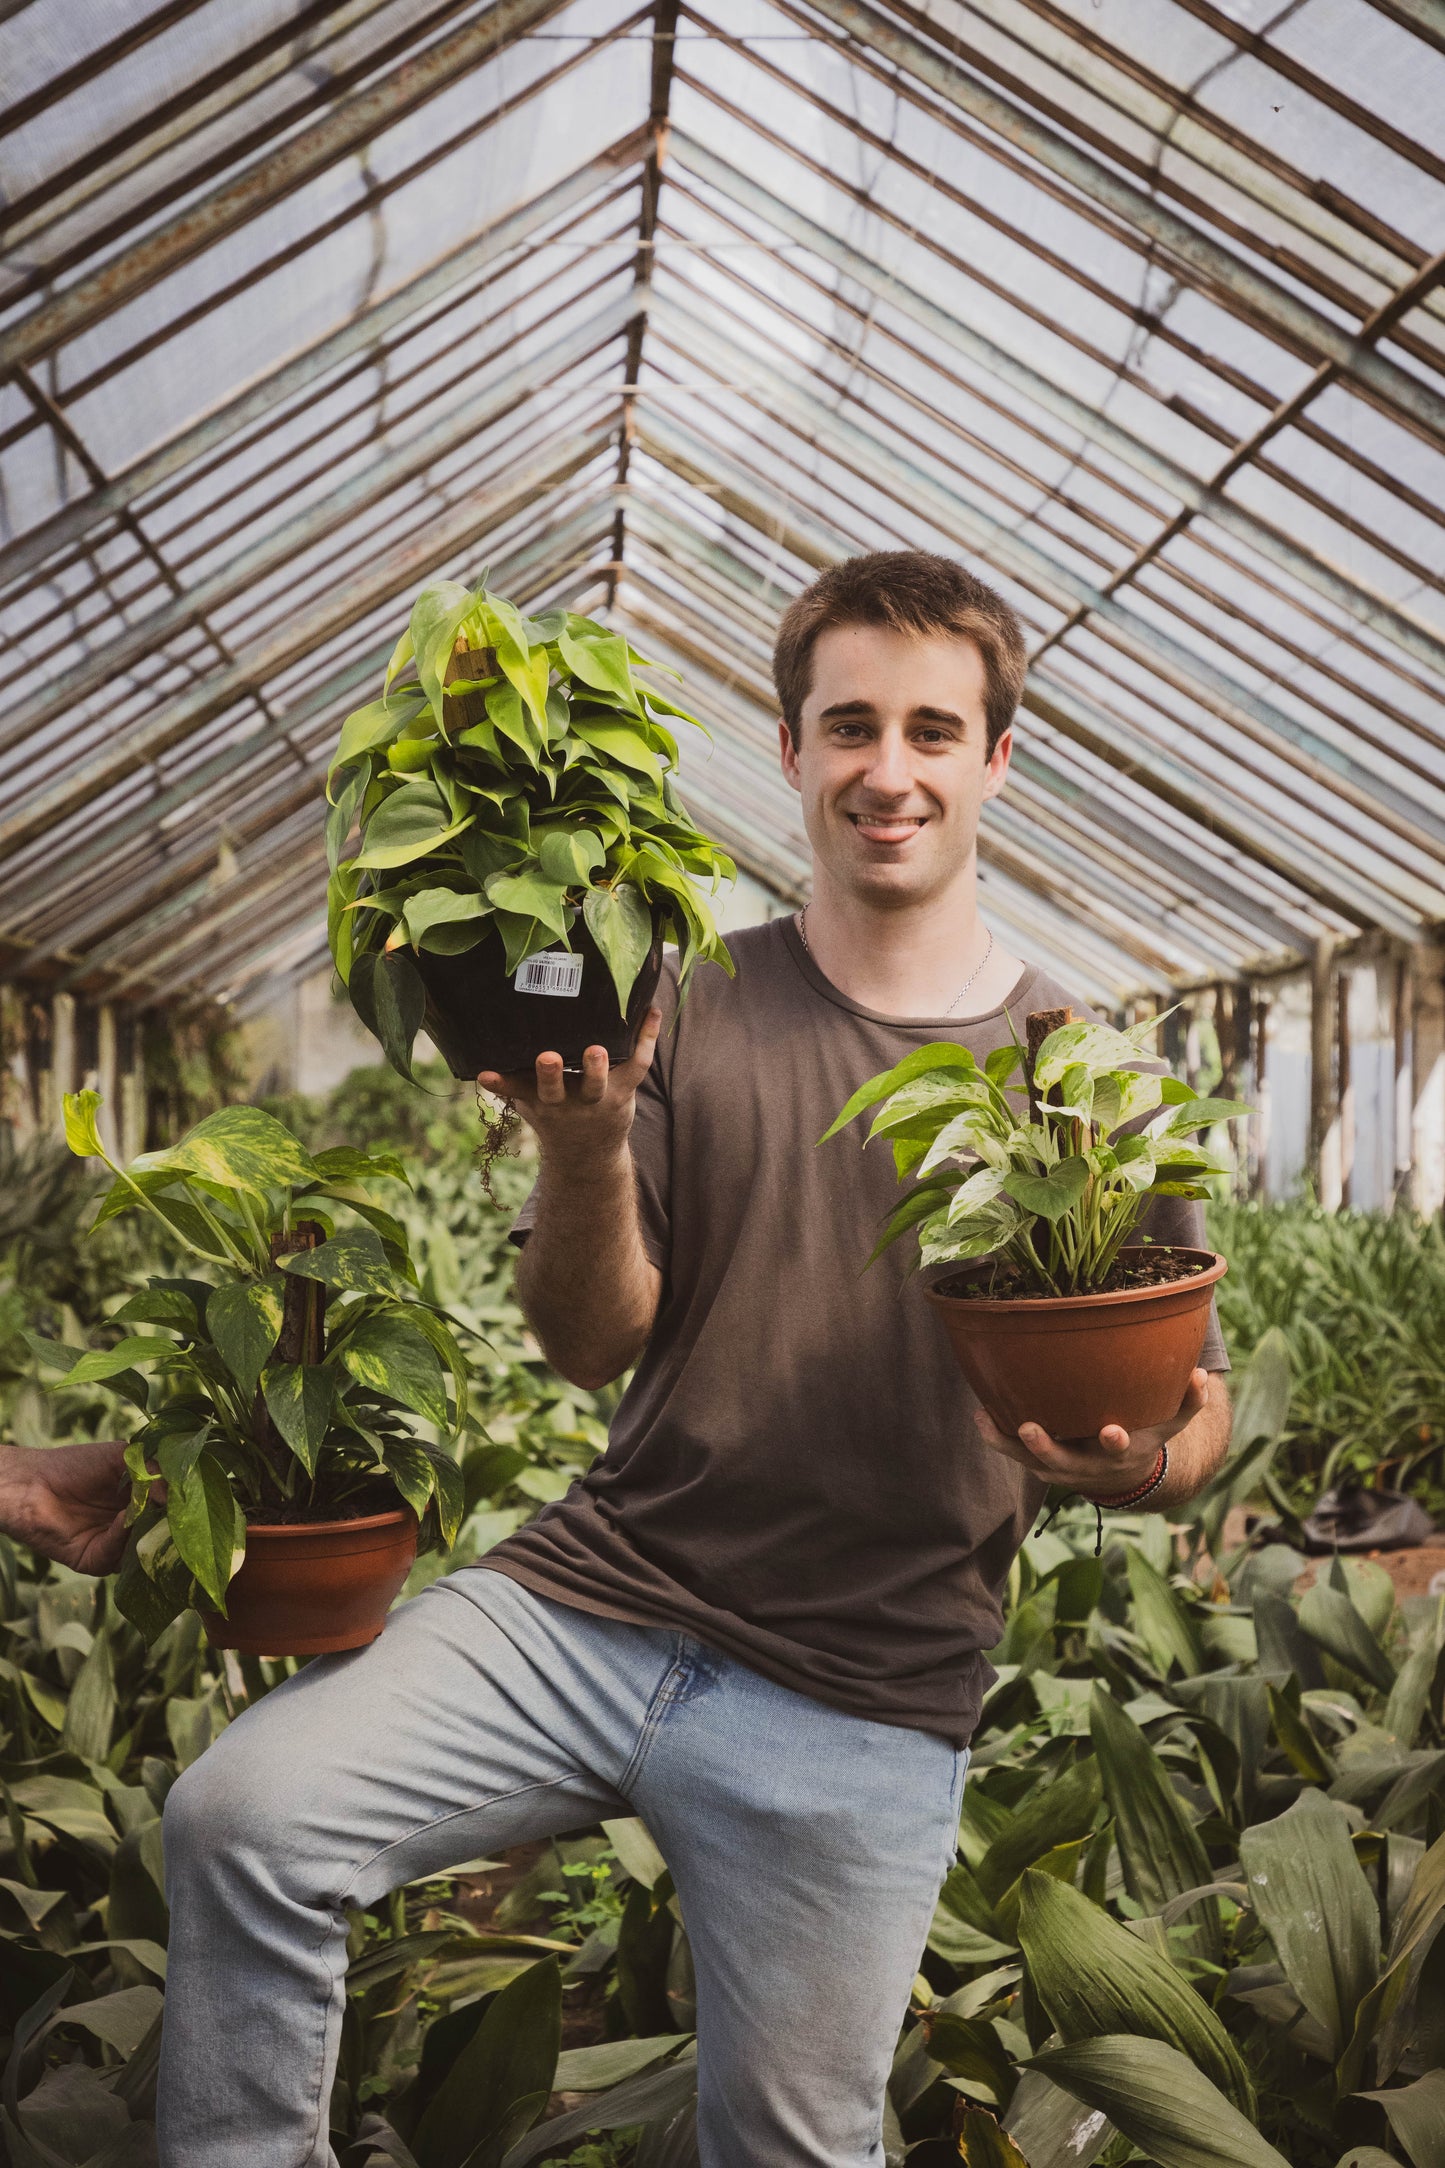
x=866 y=707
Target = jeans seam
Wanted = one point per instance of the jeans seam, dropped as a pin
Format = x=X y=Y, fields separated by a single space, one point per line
x=661 y=1699
x=495 y=1799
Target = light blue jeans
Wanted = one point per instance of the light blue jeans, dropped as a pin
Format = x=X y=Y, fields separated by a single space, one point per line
x=807 y=1848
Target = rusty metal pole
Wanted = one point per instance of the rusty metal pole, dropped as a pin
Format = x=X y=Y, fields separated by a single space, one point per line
x=1324 y=1105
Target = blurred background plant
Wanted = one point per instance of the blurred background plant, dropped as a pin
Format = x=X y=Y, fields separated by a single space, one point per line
x=1360 y=1297
x=1195 y=1914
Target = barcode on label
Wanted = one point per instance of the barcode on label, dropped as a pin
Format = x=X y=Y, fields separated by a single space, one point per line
x=550 y=971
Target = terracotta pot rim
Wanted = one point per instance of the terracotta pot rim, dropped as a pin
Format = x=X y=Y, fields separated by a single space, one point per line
x=1213 y=1267
x=395 y=1516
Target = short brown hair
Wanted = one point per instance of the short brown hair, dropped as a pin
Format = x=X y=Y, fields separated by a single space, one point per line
x=911 y=591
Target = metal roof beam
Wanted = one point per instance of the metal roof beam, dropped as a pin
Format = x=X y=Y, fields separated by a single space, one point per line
x=358 y=336
x=664 y=48
x=540 y=557
x=1201 y=796
x=1098 y=813
x=1232 y=281
x=1370 y=608
x=1396 y=803
x=391 y=574
x=1240 y=163
x=1086 y=811
x=529 y=569
x=348 y=128
x=318 y=520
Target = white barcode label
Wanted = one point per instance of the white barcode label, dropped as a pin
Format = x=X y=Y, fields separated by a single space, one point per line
x=550 y=971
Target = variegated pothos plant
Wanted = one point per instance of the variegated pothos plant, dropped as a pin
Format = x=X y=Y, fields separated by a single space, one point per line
x=233 y=1431
x=1052 y=1180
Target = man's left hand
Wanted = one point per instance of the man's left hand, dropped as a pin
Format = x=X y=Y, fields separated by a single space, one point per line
x=1118 y=1462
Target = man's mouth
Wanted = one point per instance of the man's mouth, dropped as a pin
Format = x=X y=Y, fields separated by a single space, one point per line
x=887 y=827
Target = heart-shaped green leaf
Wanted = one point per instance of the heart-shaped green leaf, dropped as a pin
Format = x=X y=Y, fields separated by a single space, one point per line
x=244 y=1320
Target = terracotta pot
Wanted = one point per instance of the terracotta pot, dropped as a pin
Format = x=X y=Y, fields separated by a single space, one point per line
x=1076 y=1362
x=478 y=1020
x=309 y=1587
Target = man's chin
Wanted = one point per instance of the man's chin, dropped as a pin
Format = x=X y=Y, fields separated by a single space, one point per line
x=896 y=882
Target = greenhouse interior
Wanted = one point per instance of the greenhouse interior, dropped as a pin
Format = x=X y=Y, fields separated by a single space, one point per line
x=607 y=331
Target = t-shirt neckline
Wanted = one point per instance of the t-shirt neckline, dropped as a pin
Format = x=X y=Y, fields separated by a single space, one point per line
x=793 y=942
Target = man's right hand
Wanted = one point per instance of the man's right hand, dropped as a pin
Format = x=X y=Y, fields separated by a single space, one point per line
x=584 y=1280
x=584 y=1124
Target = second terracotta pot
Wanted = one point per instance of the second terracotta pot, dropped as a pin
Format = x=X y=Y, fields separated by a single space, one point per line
x=308 y=1588
x=1077 y=1362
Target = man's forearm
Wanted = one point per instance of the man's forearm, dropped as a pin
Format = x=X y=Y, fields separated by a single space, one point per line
x=1196 y=1452
x=589 y=1289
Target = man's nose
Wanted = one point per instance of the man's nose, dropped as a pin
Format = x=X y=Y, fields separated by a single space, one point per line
x=890 y=772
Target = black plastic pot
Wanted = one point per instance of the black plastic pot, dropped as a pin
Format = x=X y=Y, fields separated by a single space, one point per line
x=478 y=1020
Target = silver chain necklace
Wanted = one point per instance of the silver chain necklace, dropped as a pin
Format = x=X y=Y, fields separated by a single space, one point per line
x=802 y=925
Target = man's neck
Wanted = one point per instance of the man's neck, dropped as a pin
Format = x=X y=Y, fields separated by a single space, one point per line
x=910 y=960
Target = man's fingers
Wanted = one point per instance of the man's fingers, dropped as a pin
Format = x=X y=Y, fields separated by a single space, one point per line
x=594 y=1076
x=551 y=1083
x=635 y=1068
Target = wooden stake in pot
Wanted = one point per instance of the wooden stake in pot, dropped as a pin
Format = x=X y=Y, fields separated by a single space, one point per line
x=461 y=710
x=1037 y=1028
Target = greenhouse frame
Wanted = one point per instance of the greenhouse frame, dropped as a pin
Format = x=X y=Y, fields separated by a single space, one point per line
x=521 y=1641
x=655 y=310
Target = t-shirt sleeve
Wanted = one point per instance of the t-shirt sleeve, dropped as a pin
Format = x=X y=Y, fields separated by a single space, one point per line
x=651 y=1142
x=1180 y=1220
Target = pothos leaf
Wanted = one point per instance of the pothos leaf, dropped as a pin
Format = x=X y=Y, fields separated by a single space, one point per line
x=942 y=1054
x=412 y=821
x=244 y=1320
x=1049 y=1196
x=353 y=1259
x=299 y=1398
x=81 y=1131
x=392 y=1357
x=620 y=921
x=389 y=997
x=207 y=1527
x=436 y=617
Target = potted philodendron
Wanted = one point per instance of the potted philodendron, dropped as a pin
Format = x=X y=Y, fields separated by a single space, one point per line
x=1031 y=1172
x=278 y=1482
x=523 y=851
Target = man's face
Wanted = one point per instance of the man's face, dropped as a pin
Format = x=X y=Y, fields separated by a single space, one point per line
x=891 y=762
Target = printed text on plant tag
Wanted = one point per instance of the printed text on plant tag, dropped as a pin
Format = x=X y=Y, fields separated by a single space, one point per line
x=550 y=971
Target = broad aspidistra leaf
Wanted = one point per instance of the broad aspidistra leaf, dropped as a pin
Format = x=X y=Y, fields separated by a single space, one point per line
x=1093 y=1977
x=1311 y=1894
x=1160 y=2101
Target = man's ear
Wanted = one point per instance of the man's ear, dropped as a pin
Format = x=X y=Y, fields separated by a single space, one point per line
x=995 y=775
x=788 y=755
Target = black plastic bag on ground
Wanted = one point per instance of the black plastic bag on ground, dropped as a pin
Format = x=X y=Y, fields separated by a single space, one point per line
x=1367 y=1520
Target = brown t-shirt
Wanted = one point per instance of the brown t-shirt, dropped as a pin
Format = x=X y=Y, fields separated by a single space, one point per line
x=793 y=1473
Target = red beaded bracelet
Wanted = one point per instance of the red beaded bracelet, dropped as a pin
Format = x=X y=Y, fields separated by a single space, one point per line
x=1145 y=1490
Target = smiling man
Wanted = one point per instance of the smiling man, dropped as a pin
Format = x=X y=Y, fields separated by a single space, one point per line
x=759 y=1621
